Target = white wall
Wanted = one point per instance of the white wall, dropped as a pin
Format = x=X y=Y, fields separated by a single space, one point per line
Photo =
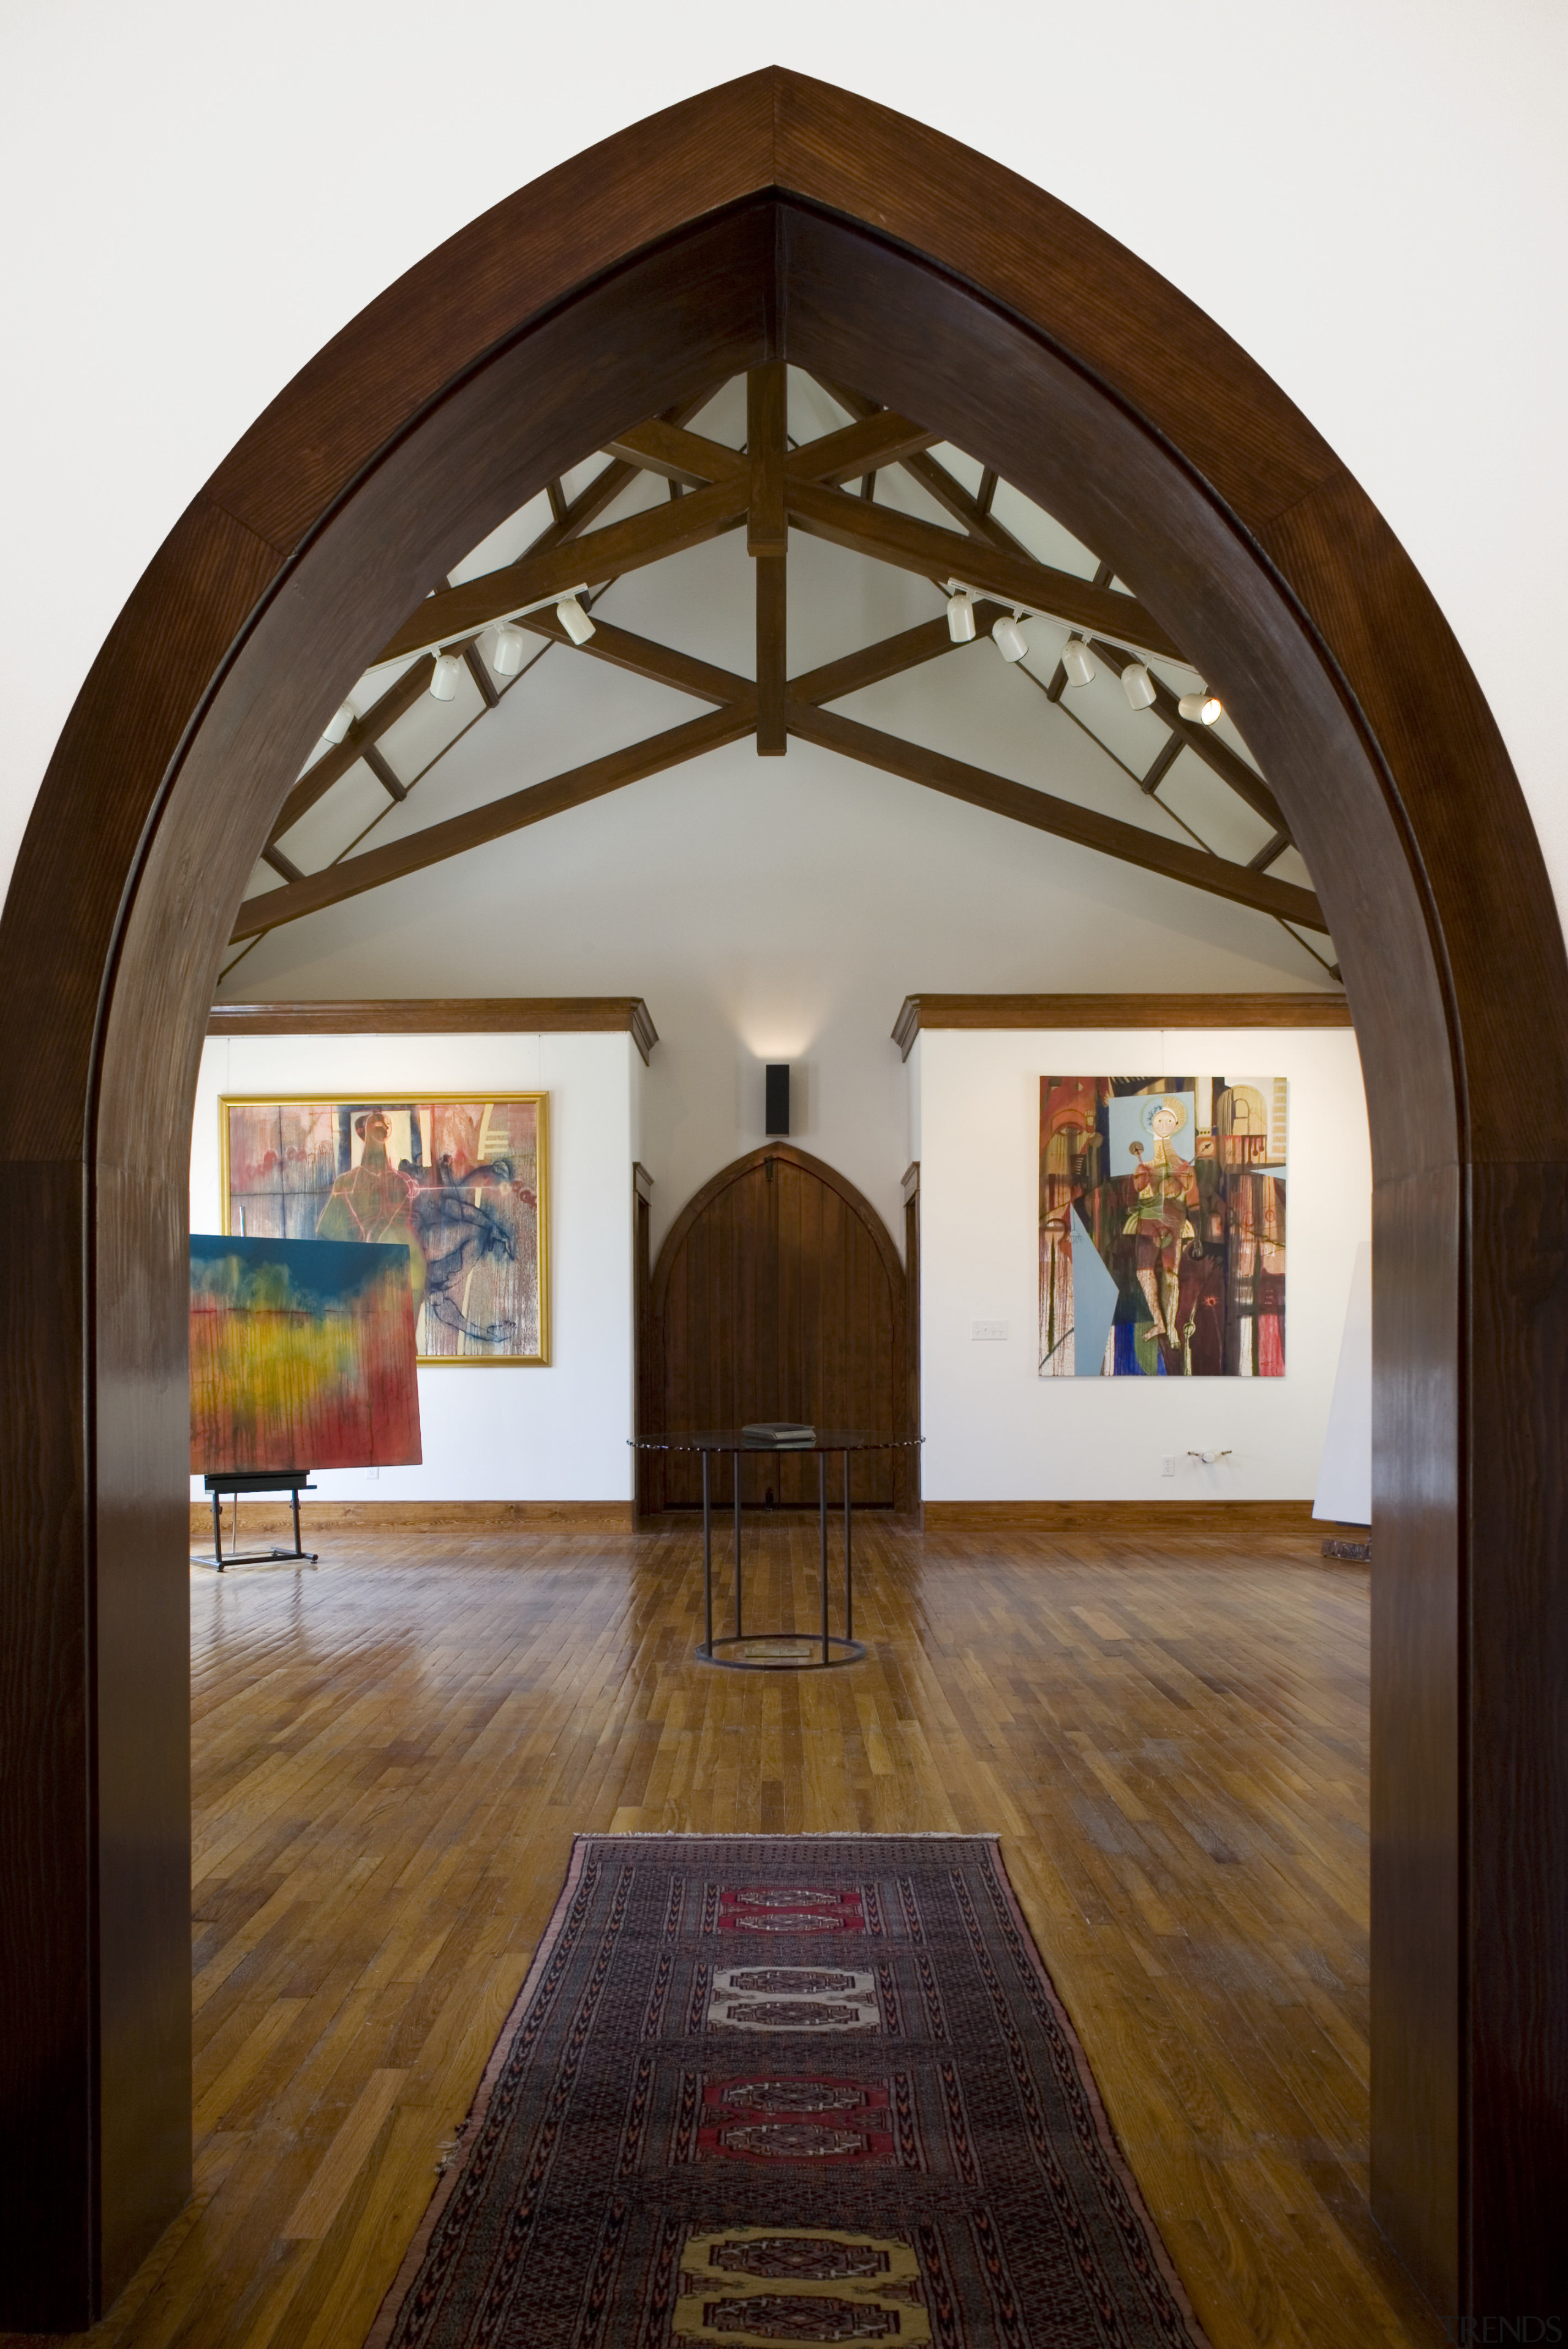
x=993 y=1429
x=557 y=1432
x=1370 y=195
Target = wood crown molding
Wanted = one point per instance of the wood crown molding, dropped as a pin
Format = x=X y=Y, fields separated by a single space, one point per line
x=1303 y=1010
x=442 y=1015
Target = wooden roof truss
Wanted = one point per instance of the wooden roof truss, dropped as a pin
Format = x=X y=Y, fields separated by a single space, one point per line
x=769 y=488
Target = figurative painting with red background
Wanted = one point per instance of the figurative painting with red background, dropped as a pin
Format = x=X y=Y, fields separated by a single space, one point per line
x=460 y=1182
x=1163 y=1227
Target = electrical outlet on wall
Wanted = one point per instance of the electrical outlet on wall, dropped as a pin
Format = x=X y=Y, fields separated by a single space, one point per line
x=1167 y=1464
x=373 y=1471
x=987 y=1330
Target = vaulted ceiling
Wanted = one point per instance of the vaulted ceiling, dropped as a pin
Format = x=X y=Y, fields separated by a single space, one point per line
x=774 y=455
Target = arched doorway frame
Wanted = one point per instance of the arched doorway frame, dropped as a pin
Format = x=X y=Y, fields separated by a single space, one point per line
x=776 y=216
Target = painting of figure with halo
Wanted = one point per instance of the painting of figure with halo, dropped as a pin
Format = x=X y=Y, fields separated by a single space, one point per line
x=1162 y=1233
x=460 y=1182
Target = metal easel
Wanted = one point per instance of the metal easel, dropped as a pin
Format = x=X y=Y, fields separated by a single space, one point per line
x=292 y=1481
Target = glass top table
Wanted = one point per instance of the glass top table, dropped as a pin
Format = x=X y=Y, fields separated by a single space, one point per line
x=777 y=1651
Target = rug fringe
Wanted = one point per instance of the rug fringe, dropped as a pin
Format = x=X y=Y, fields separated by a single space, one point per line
x=805 y=1835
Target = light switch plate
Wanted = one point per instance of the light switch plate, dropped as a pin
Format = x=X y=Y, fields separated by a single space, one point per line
x=987 y=1330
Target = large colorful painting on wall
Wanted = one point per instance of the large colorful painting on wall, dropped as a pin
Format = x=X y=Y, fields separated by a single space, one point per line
x=301 y=1356
x=1163 y=1227
x=461 y=1183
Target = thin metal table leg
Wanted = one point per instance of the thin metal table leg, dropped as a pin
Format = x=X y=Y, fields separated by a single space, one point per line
x=218 y=1530
x=735 y=1460
x=707 y=1556
x=822 y=1530
x=849 y=1568
x=299 y=1546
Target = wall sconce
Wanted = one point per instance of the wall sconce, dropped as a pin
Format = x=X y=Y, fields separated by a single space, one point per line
x=777 y=1120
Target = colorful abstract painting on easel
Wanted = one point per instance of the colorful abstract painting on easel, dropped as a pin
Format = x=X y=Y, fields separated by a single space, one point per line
x=301 y=1355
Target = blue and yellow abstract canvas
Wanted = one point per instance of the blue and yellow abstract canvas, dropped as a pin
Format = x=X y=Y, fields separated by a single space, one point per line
x=301 y=1355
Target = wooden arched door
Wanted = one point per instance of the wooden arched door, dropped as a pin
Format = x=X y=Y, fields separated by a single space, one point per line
x=778 y=1294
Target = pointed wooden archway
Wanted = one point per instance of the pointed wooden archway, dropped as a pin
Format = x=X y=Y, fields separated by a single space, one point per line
x=777 y=217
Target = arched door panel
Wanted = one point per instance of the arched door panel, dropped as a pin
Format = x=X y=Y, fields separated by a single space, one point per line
x=777 y=1295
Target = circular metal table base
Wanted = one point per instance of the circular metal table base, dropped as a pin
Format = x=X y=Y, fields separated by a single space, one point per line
x=805 y=1654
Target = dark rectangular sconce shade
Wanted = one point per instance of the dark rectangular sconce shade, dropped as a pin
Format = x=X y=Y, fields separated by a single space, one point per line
x=777 y=1119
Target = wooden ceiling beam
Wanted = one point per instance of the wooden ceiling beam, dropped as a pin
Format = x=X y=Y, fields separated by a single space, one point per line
x=644 y=658
x=454 y=613
x=569 y=519
x=1064 y=819
x=768 y=540
x=338 y=757
x=660 y=446
x=882 y=438
x=976 y=518
x=767 y=530
x=391 y=782
x=973 y=512
x=772 y=580
x=397 y=858
x=889 y=657
x=572 y=518
x=475 y=659
x=933 y=552
x=1228 y=764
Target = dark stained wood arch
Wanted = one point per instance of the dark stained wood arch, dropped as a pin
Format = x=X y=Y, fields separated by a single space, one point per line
x=778 y=1294
x=778 y=217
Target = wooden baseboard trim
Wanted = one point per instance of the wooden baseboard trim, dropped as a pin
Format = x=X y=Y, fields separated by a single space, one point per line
x=1117 y=1518
x=419 y=1516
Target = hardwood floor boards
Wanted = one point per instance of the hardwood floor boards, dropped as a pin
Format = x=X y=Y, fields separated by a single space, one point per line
x=393 y=1753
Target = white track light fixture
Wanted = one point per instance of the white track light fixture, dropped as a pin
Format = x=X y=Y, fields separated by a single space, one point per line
x=335 y=730
x=444 y=677
x=1200 y=708
x=1009 y=637
x=575 y=619
x=960 y=614
x=1078 y=662
x=1138 y=686
x=506 y=658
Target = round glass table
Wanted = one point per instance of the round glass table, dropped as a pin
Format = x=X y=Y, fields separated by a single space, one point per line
x=777 y=1651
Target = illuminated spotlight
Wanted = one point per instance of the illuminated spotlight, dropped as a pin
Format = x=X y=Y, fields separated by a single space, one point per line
x=1138 y=686
x=1008 y=635
x=335 y=730
x=444 y=677
x=575 y=619
x=1078 y=662
x=506 y=658
x=960 y=614
x=1200 y=708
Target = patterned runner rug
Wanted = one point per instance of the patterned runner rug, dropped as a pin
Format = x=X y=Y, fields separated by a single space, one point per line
x=787 y=2088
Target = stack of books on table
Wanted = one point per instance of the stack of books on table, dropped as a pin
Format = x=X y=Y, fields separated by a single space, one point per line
x=779 y=1436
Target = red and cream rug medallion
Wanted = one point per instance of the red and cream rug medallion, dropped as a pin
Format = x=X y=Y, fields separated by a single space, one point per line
x=762 y=2089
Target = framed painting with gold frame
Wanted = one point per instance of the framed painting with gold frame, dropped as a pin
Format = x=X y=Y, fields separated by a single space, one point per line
x=460 y=1179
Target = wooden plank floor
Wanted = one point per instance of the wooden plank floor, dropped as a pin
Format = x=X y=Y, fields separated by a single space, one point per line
x=392 y=1755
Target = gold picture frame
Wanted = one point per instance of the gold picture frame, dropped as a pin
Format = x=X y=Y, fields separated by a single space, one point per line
x=464 y=1178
